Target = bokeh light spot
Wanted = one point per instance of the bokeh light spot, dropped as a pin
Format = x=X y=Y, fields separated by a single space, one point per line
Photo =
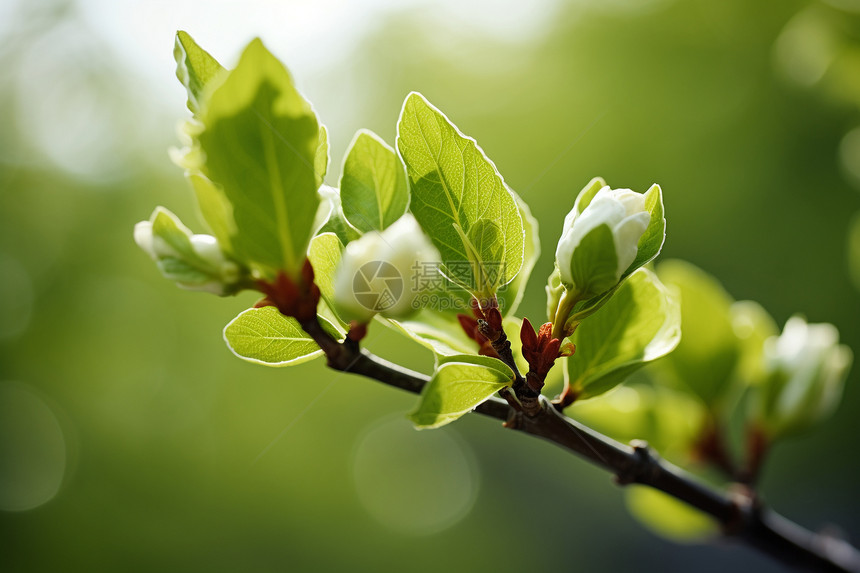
x=32 y=449
x=805 y=48
x=849 y=154
x=416 y=483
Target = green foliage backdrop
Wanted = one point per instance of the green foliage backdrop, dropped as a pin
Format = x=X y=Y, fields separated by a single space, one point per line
x=177 y=456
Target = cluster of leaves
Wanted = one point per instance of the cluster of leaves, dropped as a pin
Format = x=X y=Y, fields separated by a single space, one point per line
x=256 y=156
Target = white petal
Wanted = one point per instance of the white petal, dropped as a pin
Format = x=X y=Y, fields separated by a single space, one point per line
x=143 y=238
x=632 y=201
x=602 y=209
x=627 y=234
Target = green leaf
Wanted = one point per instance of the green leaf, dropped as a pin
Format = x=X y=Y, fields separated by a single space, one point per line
x=338 y=225
x=585 y=308
x=336 y=222
x=168 y=228
x=373 y=184
x=458 y=386
x=511 y=294
x=215 y=209
x=261 y=139
x=265 y=336
x=640 y=323
x=436 y=330
x=454 y=187
x=181 y=271
x=321 y=159
x=512 y=326
x=669 y=517
x=325 y=253
x=195 y=68
x=594 y=263
x=652 y=239
x=583 y=199
x=484 y=249
x=705 y=360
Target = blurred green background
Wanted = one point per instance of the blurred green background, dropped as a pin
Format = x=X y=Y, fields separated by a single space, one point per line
x=132 y=440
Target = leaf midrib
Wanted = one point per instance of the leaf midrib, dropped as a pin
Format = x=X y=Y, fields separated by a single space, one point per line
x=442 y=179
x=278 y=199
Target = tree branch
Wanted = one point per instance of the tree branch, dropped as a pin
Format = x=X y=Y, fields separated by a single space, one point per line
x=740 y=514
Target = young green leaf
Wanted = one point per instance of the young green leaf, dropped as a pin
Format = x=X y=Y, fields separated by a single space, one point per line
x=194 y=68
x=454 y=188
x=214 y=208
x=261 y=139
x=705 y=360
x=594 y=263
x=265 y=336
x=511 y=294
x=458 y=386
x=438 y=331
x=583 y=199
x=373 y=184
x=321 y=159
x=336 y=222
x=176 y=236
x=325 y=253
x=651 y=241
x=639 y=324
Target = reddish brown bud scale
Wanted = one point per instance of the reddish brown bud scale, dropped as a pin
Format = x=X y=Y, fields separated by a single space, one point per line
x=494 y=318
x=299 y=300
x=528 y=336
x=473 y=331
x=468 y=324
x=540 y=351
x=357 y=331
x=550 y=353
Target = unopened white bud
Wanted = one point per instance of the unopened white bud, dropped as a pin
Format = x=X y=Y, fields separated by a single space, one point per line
x=623 y=213
x=376 y=271
x=807 y=367
x=193 y=262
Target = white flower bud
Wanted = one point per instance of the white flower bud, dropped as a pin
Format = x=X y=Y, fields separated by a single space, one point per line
x=144 y=239
x=376 y=271
x=807 y=367
x=208 y=249
x=194 y=262
x=623 y=212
